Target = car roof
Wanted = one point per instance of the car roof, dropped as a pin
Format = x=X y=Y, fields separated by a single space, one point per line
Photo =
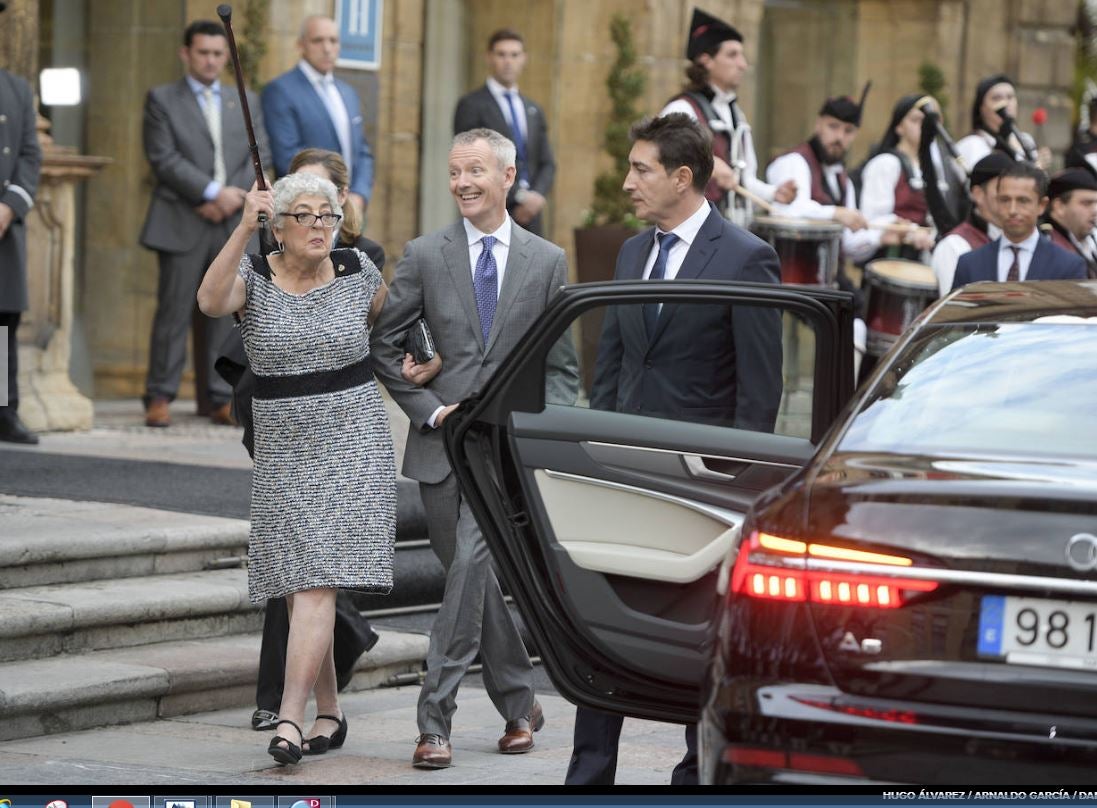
x=990 y=302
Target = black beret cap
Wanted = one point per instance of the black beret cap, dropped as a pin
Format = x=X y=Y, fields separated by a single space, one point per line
x=990 y=167
x=706 y=33
x=1071 y=179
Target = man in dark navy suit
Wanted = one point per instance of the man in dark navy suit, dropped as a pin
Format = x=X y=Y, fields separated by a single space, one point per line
x=498 y=105
x=708 y=363
x=1022 y=253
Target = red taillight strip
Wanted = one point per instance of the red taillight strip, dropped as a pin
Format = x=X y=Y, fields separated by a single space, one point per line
x=766 y=569
x=760 y=758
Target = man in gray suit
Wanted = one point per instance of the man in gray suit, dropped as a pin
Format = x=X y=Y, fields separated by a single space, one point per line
x=498 y=105
x=20 y=158
x=197 y=146
x=479 y=284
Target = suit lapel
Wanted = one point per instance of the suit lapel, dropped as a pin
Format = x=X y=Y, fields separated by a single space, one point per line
x=313 y=99
x=189 y=101
x=515 y=274
x=697 y=258
x=491 y=108
x=1039 y=266
x=632 y=269
x=455 y=253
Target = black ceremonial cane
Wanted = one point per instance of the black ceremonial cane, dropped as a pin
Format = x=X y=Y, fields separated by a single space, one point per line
x=224 y=11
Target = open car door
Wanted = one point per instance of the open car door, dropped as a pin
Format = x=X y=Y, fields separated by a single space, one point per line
x=612 y=530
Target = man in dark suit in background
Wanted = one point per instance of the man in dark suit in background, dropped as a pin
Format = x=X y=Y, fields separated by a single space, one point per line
x=1022 y=253
x=708 y=363
x=498 y=105
x=20 y=158
x=307 y=107
x=197 y=147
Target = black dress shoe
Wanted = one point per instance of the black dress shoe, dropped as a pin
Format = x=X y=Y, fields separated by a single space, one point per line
x=13 y=430
x=343 y=677
x=262 y=720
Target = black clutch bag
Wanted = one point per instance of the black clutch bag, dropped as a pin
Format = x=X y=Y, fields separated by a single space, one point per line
x=419 y=342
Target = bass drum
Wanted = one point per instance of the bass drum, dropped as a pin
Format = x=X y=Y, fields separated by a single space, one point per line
x=896 y=292
x=807 y=249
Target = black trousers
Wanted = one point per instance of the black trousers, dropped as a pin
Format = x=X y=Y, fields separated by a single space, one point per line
x=353 y=637
x=11 y=320
x=594 y=751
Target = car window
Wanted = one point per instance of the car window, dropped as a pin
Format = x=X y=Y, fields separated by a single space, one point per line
x=740 y=366
x=1012 y=387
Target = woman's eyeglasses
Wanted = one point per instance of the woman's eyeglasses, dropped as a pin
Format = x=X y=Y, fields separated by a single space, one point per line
x=329 y=220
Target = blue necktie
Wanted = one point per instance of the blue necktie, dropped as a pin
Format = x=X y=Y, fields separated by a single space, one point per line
x=486 y=283
x=519 y=139
x=658 y=272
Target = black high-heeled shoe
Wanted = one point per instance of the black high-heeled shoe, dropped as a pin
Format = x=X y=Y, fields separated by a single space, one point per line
x=291 y=752
x=320 y=744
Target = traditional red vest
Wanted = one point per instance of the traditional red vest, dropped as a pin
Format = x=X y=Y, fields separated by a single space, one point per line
x=721 y=147
x=1059 y=239
x=910 y=204
x=975 y=237
x=820 y=192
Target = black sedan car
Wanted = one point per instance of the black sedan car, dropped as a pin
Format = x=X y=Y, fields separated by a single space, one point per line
x=896 y=586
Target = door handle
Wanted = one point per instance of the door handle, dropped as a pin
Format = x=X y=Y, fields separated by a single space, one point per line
x=695 y=465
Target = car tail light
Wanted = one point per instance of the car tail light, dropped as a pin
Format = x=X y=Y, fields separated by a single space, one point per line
x=761 y=758
x=775 y=568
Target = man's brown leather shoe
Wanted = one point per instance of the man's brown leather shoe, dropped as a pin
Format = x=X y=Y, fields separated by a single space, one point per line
x=518 y=736
x=156 y=413
x=433 y=752
x=222 y=416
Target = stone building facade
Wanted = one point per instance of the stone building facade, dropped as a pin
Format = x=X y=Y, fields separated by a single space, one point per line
x=801 y=51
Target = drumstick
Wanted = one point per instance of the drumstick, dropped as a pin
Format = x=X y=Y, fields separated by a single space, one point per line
x=754 y=198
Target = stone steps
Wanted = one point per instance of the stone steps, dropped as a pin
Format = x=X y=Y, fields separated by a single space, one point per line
x=44 y=621
x=54 y=541
x=163 y=679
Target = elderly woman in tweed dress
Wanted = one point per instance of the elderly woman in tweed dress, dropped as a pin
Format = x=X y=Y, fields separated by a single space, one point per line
x=323 y=506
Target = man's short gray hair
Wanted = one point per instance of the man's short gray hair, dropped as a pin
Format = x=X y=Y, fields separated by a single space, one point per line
x=505 y=151
x=292 y=186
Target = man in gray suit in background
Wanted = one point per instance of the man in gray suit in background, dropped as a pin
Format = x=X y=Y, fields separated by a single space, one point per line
x=479 y=284
x=197 y=147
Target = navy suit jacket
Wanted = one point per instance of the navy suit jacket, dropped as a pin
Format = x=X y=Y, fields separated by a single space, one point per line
x=1049 y=263
x=297 y=119
x=709 y=363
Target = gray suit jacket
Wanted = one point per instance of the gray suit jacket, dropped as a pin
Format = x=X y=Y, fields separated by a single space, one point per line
x=180 y=151
x=434 y=280
x=20 y=159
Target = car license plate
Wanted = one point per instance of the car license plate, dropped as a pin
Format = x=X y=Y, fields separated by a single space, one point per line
x=1036 y=631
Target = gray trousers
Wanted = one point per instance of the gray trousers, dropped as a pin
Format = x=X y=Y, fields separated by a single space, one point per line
x=473 y=618
x=180 y=276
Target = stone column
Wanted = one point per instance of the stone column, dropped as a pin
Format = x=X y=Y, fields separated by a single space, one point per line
x=48 y=399
x=19 y=42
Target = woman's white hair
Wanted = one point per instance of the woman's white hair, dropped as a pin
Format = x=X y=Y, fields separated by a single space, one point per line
x=503 y=147
x=287 y=190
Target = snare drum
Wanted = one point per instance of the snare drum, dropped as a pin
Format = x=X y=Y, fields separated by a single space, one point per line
x=806 y=248
x=896 y=292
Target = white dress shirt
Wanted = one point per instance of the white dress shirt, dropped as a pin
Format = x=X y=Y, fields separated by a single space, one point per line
x=213 y=187
x=499 y=93
x=858 y=245
x=1024 y=257
x=501 y=250
x=324 y=84
x=979 y=144
x=721 y=104
x=687 y=233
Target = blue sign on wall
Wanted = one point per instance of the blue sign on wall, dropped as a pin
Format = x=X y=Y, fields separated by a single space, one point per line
x=359 y=24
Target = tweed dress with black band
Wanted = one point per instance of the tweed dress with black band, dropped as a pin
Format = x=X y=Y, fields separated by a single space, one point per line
x=323 y=503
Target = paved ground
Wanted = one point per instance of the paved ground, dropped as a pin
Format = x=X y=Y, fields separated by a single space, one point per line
x=220 y=747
